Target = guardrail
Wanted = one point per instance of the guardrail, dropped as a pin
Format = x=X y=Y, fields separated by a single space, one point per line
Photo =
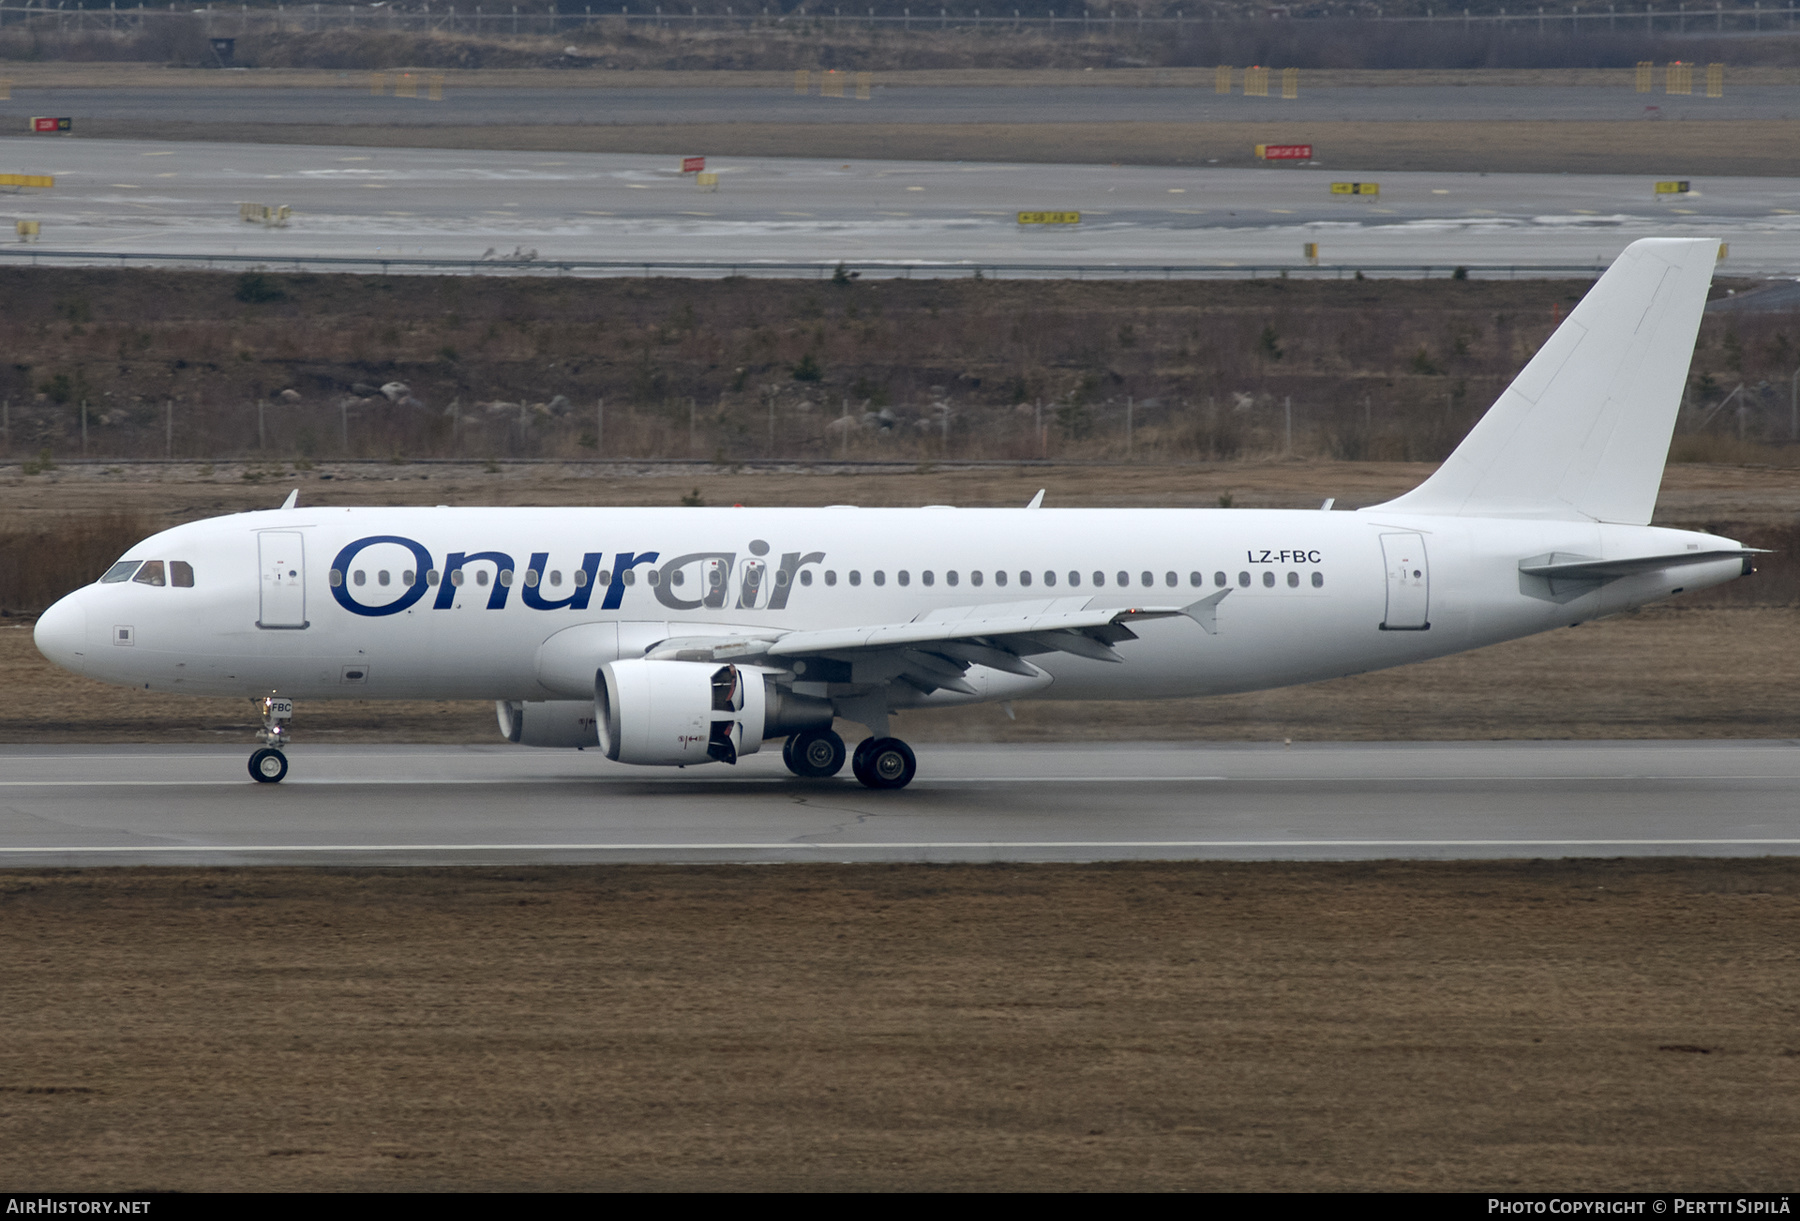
x=477 y=19
x=870 y=269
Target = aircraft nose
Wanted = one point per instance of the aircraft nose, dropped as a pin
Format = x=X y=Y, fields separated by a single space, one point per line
x=61 y=633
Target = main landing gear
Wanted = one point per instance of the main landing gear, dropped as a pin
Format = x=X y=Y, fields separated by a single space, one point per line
x=880 y=763
x=269 y=765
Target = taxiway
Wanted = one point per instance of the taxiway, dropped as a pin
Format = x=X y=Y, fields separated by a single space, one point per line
x=111 y=805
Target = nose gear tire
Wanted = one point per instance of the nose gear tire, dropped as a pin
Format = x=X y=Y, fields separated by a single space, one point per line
x=268 y=766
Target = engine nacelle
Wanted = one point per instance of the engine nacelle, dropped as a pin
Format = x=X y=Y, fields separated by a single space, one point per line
x=682 y=712
x=548 y=722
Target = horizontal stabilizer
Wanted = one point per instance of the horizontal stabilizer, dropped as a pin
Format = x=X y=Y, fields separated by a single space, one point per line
x=1562 y=566
x=1583 y=431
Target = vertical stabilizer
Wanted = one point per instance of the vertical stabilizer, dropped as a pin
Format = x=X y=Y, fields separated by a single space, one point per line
x=1583 y=431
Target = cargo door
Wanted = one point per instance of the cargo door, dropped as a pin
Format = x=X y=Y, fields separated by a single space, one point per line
x=1408 y=583
x=282 y=554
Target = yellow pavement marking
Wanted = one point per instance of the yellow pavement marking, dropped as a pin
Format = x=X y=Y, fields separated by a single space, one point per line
x=893 y=214
x=1178 y=190
x=374 y=186
x=1685 y=211
x=356 y=158
x=793 y=214
x=596 y=214
x=1439 y=191
x=1283 y=211
x=168 y=174
x=636 y=186
x=1783 y=211
x=169 y=153
x=915 y=188
x=127 y=186
x=694 y=214
x=1584 y=211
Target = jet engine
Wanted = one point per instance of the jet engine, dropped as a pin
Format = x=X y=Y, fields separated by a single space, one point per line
x=681 y=712
x=548 y=722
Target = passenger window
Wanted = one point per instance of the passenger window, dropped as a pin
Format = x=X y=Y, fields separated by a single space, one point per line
x=880 y=577
x=1024 y=578
x=181 y=574
x=456 y=577
x=381 y=578
x=1293 y=580
x=1268 y=580
x=359 y=577
x=1146 y=580
x=120 y=572
x=580 y=578
x=1318 y=580
x=1170 y=579
x=975 y=577
x=531 y=577
x=855 y=577
x=1099 y=578
x=1074 y=579
x=1124 y=580
x=431 y=577
x=1196 y=580
x=905 y=577
x=950 y=577
x=651 y=577
x=677 y=577
x=806 y=576
x=830 y=576
x=555 y=577
x=781 y=577
x=1000 y=577
x=406 y=577
x=150 y=574
x=336 y=577
x=1244 y=580
x=481 y=577
x=1219 y=579
x=603 y=577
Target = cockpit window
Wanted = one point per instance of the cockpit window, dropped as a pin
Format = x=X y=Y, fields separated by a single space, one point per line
x=120 y=572
x=150 y=574
x=181 y=574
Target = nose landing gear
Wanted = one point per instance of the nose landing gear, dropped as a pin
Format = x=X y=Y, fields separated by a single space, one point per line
x=269 y=765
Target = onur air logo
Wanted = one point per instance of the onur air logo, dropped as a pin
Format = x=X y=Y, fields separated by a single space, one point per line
x=385 y=574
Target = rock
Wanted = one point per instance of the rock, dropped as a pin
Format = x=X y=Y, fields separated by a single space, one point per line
x=289 y=396
x=362 y=390
x=558 y=406
x=395 y=391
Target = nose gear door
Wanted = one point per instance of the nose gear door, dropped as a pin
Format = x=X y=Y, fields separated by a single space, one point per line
x=282 y=554
x=1408 y=583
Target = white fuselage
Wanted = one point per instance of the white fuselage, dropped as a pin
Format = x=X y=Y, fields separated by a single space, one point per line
x=288 y=602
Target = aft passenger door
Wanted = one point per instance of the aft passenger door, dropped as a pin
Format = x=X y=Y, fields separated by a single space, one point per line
x=282 y=554
x=1408 y=583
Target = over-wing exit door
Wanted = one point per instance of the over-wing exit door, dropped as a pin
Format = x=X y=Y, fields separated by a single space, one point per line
x=1408 y=583
x=283 y=558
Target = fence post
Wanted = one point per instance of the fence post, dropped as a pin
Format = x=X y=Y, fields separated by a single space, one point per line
x=169 y=429
x=84 y=428
x=599 y=427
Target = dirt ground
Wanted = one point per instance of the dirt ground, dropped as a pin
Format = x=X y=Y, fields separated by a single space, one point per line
x=1598 y=1025
x=1761 y=148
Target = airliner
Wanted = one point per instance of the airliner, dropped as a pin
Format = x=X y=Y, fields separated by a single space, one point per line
x=687 y=636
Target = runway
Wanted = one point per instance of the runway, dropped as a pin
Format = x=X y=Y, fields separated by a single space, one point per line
x=1037 y=104
x=111 y=805
x=183 y=199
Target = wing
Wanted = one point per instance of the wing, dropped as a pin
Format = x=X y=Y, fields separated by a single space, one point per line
x=937 y=648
